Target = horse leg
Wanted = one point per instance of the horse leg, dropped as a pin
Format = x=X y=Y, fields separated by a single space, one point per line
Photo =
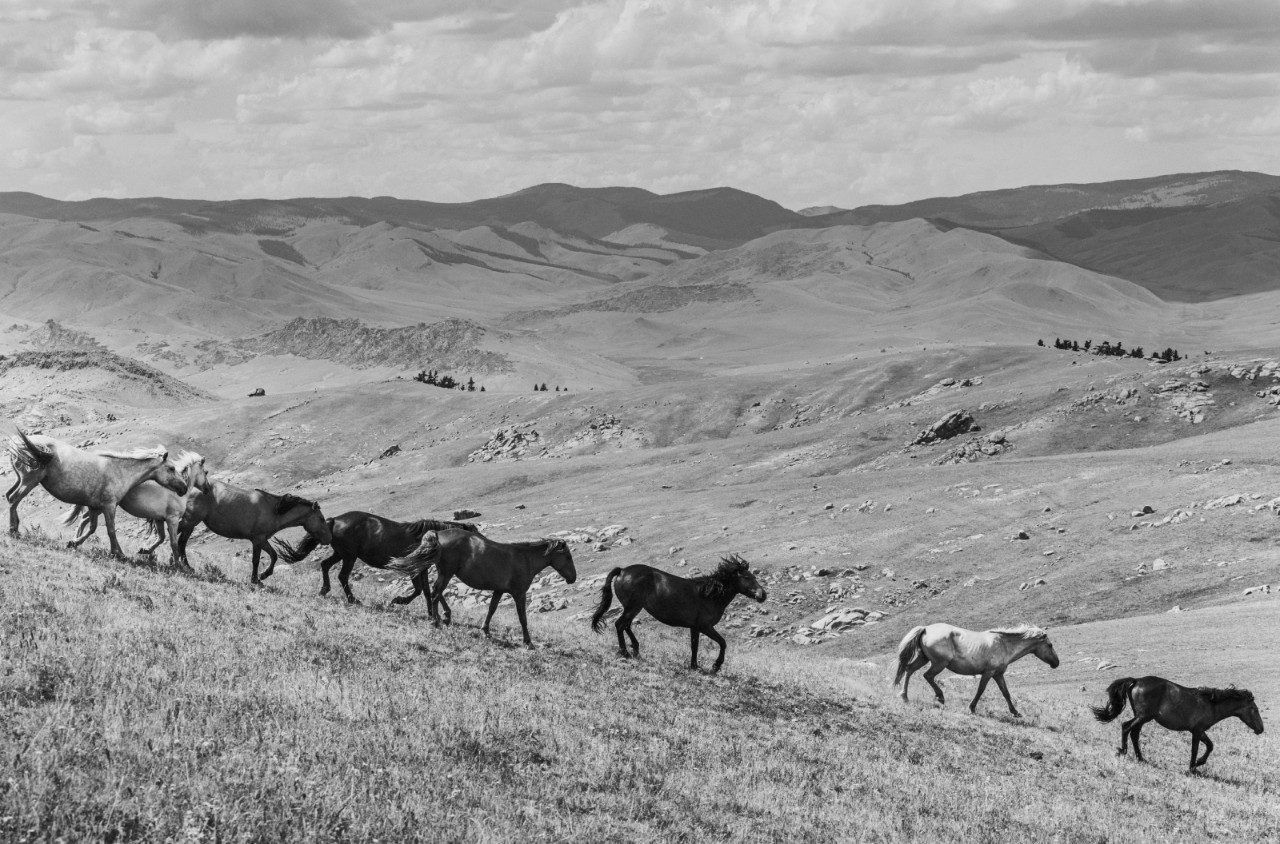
x=1208 y=748
x=437 y=597
x=151 y=552
x=982 y=687
x=1124 y=735
x=257 y=556
x=623 y=626
x=271 y=566
x=493 y=608
x=344 y=577
x=521 y=599
x=719 y=640
x=184 y=535
x=934 y=670
x=1134 y=733
x=88 y=528
x=912 y=667
x=693 y=648
x=402 y=599
x=325 y=565
x=109 y=520
x=16 y=493
x=635 y=643
x=1004 y=690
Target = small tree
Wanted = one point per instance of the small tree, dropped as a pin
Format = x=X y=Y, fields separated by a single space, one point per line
x=471 y=385
x=543 y=387
x=1039 y=342
x=1087 y=344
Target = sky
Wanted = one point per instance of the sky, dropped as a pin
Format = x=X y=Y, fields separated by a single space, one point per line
x=807 y=102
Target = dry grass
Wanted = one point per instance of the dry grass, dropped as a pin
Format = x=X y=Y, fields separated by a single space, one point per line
x=143 y=705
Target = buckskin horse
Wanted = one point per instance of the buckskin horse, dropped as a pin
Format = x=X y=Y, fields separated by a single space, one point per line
x=987 y=654
x=95 y=480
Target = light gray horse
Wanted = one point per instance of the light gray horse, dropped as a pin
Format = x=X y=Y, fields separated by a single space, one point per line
x=988 y=654
x=159 y=506
x=252 y=514
x=97 y=480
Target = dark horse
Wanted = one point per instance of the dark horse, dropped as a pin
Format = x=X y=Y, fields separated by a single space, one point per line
x=1178 y=708
x=373 y=540
x=481 y=563
x=697 y=603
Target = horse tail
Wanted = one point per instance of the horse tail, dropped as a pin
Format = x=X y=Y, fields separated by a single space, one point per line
x=423 y=557
x=25 y=454
x=1117 y=697
x=908 y=651
x=75 y=514
x=154 y=526
x=291 y=554
x=606 y=598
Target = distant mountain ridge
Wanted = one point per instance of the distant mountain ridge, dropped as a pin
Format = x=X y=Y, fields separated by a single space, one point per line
x=713 y=218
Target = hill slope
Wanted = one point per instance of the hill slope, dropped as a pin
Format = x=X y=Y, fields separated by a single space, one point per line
x=146 y=705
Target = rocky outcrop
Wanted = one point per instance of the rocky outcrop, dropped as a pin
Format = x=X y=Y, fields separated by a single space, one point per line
x=452 y=344
x=511 y=443
x=952 y=425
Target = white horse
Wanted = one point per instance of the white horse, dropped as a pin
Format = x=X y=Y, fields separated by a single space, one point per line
x=97 y=480
x=159 y=506
x=943 y=646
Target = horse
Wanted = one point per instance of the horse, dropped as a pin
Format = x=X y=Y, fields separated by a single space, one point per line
x=697 y=603
x=373 y=540
x=1178 y=708
x=255 y=515
x=156 y=504
x=963 y=651
x=481 y=563
x=96 y=480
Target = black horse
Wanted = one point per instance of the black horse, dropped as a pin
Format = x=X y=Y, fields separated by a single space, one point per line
x=1178 y=708
x=363 y=536
x=697 y=603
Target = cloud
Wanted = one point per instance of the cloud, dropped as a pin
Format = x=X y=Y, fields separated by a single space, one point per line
x=811 y=102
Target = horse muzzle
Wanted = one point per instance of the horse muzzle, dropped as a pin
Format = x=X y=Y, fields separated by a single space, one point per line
x=760 y=599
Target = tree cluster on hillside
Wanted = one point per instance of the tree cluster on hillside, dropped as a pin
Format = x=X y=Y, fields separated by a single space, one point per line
x=542 y=388
x=448 y=382
x=1109 y=349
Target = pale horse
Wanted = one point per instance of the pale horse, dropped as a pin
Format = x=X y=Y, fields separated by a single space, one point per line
x=97 y=480
x=157 y=505
x=988 y=654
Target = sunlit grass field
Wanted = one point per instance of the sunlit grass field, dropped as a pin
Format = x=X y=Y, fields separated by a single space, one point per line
x=141 y=705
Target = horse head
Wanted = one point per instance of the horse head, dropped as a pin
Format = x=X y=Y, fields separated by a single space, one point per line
x=1044 y=650
x=1248 y=711
x=313 y=521
x=737 y=572
x=167 y=475
x=190 y=466
x=561 y=560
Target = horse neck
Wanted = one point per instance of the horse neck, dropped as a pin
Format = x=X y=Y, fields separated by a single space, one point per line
x=1017 y=647
x=136 y=468
x=1224 y=709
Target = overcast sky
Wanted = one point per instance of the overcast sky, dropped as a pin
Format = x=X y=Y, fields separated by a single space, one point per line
x=808 y=102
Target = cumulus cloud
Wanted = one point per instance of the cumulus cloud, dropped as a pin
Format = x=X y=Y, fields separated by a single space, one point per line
x=809 y=102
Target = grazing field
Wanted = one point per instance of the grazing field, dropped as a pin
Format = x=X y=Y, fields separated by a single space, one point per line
x=144 y=705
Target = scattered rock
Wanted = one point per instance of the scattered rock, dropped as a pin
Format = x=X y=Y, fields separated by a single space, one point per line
x=462 y=515
x=390 y=451
x=1264 y=589
x=1022 y=534
x=257 y=393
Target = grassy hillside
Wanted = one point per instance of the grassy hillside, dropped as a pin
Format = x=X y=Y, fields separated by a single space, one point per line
x=144 y=705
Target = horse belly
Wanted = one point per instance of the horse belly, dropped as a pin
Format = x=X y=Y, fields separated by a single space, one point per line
x=146 y=501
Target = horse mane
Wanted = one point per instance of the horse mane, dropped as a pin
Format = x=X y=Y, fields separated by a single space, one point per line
x=420 y=527
x=1021 y=631
x=135 y=453
x=185 y=460
x=1228 y=695
x=543 y=545
x=288 y=501
x=721 y=580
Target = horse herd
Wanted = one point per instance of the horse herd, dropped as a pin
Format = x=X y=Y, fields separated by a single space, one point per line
x=177 y=496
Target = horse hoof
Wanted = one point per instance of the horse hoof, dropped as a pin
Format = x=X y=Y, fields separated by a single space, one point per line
x=71 y=545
